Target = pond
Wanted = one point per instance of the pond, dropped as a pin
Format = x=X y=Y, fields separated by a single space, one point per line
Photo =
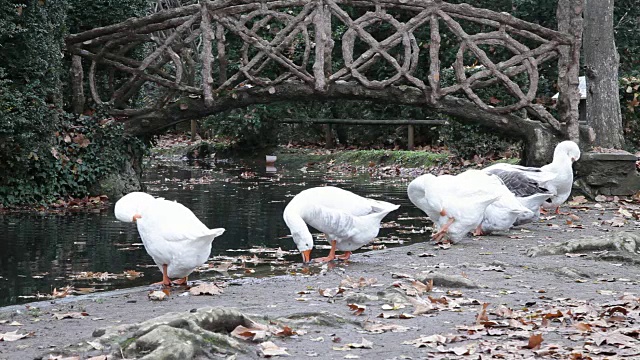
x=90 y=252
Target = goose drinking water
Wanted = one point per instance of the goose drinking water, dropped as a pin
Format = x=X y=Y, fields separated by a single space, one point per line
x=349 y=221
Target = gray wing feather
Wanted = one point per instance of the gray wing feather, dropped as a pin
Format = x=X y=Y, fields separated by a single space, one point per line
x=518 y=183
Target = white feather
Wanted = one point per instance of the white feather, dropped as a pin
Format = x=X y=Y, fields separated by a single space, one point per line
x=170 y=232
x=557 y=177
x=352 y=220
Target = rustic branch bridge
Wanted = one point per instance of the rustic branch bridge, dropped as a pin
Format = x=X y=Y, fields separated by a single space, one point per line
x=196 y=60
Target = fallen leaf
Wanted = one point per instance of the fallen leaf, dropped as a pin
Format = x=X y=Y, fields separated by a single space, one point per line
x=285 y=331
x=349 y=282
x=395 y=306
x=460 y=350
x=357 y=309
x=577 y=200
x=206 y=289
x=364 y=344
x=427 y=340
x=422 y=287
x=482 y=314
x=330 y=292
x=13 y=336
x=157 y=295
x=268 y=349
x=258 y=332
x=70 y=315
x=380 y=328
x=534 y=341
x=583 y=326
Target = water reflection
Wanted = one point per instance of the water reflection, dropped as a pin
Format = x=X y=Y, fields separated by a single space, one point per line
x=40 y=252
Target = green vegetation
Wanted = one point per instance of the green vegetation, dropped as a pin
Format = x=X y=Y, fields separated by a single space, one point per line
x=45 y=152
x=399 y=157
x=630 y=106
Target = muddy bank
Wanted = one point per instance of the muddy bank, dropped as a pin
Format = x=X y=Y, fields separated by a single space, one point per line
x=392 y=310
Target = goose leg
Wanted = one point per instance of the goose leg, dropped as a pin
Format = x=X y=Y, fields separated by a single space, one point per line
x=182 y=281
x=558 y=212
x=478 y=231
x=165 y=279
x=443 y=230
x=345 y=256
x=332 y=253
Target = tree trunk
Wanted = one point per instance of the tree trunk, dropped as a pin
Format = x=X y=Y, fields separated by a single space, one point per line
x=77 y=84
x=601 y=62
x=569 y=16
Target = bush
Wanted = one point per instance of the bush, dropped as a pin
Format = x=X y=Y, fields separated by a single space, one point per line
x=629 y=105
x=82 y=151
x=466 y=141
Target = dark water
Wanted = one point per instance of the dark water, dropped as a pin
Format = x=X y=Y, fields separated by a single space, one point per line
x=41 y=252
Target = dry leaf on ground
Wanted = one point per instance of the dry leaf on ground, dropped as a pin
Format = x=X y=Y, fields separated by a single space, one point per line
x=259 y=332
x=70 y=315
x=357 y=308
x=364 y=344
x=427 y=340
x=534 y=341
x=380 y=328
x=157 y=295
x=206 y=289
x=268 y=349
x=13 y=336
x=349 y=282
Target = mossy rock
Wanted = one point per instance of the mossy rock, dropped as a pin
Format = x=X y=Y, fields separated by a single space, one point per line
x=199 y=334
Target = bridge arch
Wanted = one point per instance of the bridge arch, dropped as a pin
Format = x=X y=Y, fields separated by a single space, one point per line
x=201 y=59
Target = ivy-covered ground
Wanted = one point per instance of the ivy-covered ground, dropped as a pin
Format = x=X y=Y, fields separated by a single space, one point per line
x=511 y=295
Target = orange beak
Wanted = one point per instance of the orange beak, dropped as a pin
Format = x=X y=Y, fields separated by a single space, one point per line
x=136 y=217
x=306 y=256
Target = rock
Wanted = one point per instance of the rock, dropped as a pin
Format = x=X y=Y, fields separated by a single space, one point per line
x=118 y=184
x=623 y=241
x=607 y=174
x=445 y=280
x=201 y=150
x=185 y=335
x=360 y=298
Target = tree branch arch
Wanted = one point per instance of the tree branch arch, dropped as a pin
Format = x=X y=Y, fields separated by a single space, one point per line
x=295 y=38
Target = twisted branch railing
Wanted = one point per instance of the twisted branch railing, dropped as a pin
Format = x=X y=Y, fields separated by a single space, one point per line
x=239 y=43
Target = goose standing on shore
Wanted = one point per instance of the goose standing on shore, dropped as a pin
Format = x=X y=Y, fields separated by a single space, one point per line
x=349 y=221
x=556 y=177
x=174 y=237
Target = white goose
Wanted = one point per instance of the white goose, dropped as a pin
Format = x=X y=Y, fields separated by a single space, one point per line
x=456 y=204
x=348 y=220
x=174 y=237
x=556 y=177
x=502 y=214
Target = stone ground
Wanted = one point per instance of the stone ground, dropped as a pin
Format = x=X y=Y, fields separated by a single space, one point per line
x=510 y=281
